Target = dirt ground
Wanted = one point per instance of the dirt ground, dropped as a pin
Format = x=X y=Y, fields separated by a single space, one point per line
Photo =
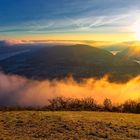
x=39 y=125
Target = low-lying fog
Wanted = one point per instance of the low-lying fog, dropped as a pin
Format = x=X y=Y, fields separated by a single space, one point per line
x=15 y=90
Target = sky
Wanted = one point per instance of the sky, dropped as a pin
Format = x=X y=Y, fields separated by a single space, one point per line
x=101 y=20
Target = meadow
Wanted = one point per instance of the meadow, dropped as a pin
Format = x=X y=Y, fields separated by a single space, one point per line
x=68 y=125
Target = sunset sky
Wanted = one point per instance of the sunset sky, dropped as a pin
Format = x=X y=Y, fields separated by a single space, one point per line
x=100 y=20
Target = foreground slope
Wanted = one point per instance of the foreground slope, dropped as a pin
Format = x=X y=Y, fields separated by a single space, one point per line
x=68 y=125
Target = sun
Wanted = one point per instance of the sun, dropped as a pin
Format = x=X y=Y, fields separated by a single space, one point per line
x=137 y=34
x=136 y=29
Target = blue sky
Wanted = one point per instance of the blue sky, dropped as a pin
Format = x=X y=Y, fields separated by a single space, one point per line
x=21 y=17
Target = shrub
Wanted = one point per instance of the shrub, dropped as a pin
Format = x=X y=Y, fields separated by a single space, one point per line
x=61 y=103
x=131 y=106
x=85 y=104
x=107 y=104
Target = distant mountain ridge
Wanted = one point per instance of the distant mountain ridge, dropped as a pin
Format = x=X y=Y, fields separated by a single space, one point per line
x=131 y=54
x=59 y=61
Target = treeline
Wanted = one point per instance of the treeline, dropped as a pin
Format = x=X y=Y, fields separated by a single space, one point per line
x=85 y=104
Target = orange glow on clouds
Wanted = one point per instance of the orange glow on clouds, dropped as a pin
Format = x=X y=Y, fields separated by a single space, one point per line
x=26 y=92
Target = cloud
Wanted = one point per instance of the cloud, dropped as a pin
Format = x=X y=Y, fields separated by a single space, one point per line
x=119 y=22
x=4 y=43
x=91 y=16
x=15 y=90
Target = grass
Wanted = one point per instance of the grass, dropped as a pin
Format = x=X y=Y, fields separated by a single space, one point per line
x=32 y=125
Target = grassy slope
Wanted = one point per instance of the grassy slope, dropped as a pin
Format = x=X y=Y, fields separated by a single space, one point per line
x=69 y=125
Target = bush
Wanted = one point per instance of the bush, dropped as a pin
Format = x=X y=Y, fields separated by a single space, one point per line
x=58 y=103
x=61 y=103
x=85 y=104
x=89 y=104
x=131 y=106
x=107 y=105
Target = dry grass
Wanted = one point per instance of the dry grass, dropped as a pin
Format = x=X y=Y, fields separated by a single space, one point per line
x=32 y=125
